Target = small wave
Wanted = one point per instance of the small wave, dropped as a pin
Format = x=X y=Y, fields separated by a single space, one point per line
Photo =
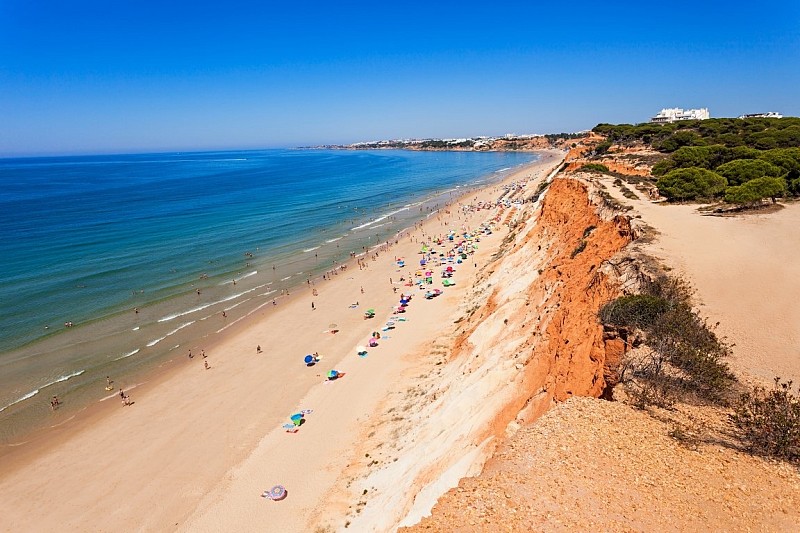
x=63 y=422
x=173 y=332
x=284 y=279
x=65 y=377
x=231 y=324
x=311 y=249
x=333 y=240
x=22 y=399
x=204 y=306
x=135 y=329
x=237 y=304
x=268 y=293
x=233 y=282
x=502 y=170
x=379 y=219
x=134 y=352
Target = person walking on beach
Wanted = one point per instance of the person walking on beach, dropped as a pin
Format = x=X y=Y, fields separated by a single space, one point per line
x=312 y=306
x=206 y=365
x=203 y=353
x=126 y=400
x=258 y=349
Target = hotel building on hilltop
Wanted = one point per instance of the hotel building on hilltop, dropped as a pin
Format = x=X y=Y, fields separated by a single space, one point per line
x=768 y=114
x=675 y=114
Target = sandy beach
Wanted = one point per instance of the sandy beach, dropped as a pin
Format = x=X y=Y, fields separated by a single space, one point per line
x=198 y=446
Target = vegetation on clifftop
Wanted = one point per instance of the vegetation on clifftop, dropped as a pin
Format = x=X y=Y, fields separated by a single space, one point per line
x=734 y=150
x=769 y=421
x=684 y=357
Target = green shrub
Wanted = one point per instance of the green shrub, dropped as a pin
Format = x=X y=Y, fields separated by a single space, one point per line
x=593 y=167
x=638 y=311
x=769 y=422
x=685 y=356
x=691 y=184
x=744 y=170
x=756 y=190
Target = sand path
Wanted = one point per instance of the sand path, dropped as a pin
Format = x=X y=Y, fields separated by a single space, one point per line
x=744 y=269
x=198 y=446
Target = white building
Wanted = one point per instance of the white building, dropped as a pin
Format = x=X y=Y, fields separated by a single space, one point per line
x=768 y=114
x=676 y=113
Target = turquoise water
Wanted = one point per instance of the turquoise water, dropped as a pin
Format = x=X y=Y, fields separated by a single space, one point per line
x=88 y=239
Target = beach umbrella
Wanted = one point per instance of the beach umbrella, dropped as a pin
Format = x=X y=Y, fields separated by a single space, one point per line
x=333 y=374
x=295 y=417
x=332 y=326
x=370 y=310
x=361 y=349
x=308 y=359
x=278 y=492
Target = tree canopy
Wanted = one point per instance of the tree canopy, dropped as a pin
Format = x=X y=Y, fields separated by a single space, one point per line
x=755 y=190
x=743 y=170
x=691 y=184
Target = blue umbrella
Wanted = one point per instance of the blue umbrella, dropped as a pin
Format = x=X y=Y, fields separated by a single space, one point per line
x=308 y=359
x=297 y=417
x=333 y=374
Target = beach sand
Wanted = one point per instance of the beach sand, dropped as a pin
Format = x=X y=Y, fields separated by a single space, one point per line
x=198 y=446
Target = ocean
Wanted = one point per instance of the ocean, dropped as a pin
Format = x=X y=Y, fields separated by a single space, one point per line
x=136 y=252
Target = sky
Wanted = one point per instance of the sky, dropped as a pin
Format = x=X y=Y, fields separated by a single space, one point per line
x=84 y=76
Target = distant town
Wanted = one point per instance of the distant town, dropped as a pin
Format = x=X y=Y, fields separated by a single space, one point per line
x=506 y=142
x=512 y=141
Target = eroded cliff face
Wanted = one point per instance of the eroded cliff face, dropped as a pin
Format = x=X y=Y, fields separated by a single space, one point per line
x=526 y=336
x=547 y=287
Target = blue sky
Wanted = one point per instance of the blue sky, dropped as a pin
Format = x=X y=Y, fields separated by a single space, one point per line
x=96 y=77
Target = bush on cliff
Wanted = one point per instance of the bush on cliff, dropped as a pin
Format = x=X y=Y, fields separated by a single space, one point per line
x=691 y=184
x=756 y=190
x=593 y=167
x=637 y=310
x=769 y=422
x=684 y=356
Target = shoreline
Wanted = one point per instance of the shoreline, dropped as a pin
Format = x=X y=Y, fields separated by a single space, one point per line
x=131 y=357
x=165 y=413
